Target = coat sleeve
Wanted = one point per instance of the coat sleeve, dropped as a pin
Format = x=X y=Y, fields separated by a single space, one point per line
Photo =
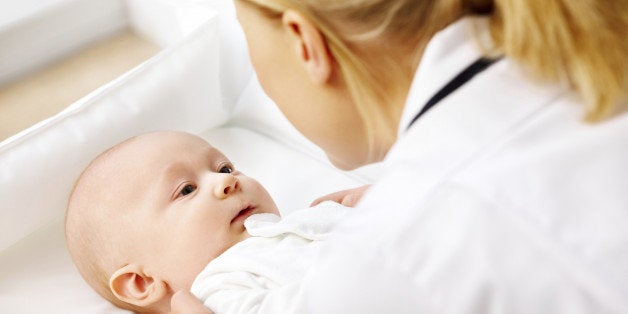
x=452 y=252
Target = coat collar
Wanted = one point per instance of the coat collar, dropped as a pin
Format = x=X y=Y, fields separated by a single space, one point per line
x=450 y=51
x=475 y=117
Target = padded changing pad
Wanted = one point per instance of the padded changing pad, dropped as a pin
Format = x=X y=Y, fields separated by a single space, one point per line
x=37 y=275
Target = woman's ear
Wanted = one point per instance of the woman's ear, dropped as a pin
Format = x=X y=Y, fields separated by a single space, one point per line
x=310 y=46
x=131 y=285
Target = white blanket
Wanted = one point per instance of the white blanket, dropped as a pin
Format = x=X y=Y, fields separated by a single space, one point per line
x=261 y=274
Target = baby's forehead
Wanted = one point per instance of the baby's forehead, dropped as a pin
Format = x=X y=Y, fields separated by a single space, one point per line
x=161 y=147
x=146 y=157
x=140 y=156
x=165 y=140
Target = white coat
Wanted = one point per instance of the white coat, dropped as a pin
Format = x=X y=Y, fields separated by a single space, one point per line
x=498 y=200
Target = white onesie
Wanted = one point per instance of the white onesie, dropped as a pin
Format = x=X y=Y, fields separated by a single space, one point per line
x=262 y=273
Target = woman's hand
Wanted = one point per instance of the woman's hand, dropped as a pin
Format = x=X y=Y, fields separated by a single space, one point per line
x=183 y=302
x=346 y=197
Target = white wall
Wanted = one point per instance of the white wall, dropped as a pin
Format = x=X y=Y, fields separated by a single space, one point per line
x=34 y=33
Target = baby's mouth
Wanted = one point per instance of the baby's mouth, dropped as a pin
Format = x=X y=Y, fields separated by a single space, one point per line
x=243 y=214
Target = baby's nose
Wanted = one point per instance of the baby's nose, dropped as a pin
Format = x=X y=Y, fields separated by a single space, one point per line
x=227 y=184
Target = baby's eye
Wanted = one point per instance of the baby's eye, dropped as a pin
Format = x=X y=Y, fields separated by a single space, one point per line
x=188 y=189
x=226 y=169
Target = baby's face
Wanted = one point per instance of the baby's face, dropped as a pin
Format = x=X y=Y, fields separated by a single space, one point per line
x=189 y=205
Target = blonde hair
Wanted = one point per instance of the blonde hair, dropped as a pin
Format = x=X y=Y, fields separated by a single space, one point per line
x=377 y=19
x=582 y=41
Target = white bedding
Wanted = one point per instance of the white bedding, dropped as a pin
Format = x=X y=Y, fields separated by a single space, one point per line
x=202 y=83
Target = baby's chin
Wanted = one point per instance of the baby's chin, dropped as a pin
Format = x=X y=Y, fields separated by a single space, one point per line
x=272 y=209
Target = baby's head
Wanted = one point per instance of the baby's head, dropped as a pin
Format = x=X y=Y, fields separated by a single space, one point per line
x=146 y=216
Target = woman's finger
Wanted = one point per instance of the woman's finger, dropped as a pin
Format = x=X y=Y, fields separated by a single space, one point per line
x=348 y=197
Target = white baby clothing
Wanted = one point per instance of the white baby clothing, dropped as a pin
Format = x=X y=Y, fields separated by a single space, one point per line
x=261 y=274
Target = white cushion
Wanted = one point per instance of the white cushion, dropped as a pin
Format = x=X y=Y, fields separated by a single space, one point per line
x=201 y=83
x=54 y=29
x=177 y=89
x=39 y=277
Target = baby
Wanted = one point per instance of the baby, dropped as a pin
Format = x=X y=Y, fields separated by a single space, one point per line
x=165 y=211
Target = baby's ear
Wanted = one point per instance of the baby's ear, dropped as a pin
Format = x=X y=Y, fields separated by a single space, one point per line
x=131 y=285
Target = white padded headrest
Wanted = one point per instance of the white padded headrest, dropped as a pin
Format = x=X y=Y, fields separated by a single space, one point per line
x=178 y=89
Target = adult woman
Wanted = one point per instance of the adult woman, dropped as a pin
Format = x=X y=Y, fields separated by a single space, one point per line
x=500 y=196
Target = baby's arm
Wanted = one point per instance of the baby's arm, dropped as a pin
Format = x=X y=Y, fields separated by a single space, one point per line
x=348 y=197
x=244 y=292
x=256 y=300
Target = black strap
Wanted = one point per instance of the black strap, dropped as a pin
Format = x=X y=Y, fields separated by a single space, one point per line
x=463 y=77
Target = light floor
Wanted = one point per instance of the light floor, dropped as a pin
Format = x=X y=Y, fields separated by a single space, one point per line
x=48 y=91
